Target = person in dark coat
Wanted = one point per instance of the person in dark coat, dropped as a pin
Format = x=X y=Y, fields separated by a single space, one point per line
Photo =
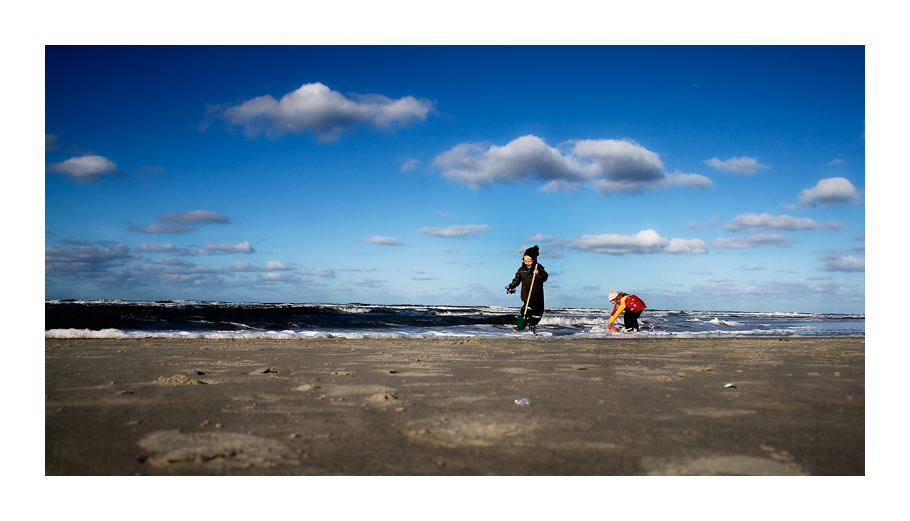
x=529 y=270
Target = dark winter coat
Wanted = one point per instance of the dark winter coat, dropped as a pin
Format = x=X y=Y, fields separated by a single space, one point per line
x=523 y=276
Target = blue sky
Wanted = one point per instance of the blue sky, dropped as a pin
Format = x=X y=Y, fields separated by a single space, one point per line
x=723 y=177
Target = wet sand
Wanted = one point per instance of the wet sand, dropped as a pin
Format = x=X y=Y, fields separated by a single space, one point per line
x=525 y=406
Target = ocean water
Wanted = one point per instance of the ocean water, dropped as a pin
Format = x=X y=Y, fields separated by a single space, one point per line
x=248 y=320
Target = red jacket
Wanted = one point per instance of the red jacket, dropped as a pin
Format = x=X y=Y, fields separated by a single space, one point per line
x=626 y=302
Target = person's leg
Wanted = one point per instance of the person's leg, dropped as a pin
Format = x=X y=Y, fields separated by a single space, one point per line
x=535 y=313
x=630 y=319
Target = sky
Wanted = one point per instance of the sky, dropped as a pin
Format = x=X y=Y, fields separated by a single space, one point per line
x=697 y=177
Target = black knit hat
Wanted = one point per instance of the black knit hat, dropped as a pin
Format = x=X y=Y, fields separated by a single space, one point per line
x=533 y=252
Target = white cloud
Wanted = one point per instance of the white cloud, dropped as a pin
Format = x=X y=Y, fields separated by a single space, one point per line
x=678 y=178
x=767 y=222
x=216 y=249
x=688 y=246
x=410 y=164
x=737 y=165
x=477 y=164
x=316 y=108
x=274 y=278
x=156 y=248
x=324 y=273
x=385 y=241
x=240 y=267
x=609 y=166
x=195 y=217
x=695 y=225
x=84 y=168
x=541 y=238
x=828 y=192
x=847 y=264
x=622 y=162
x=84 y=259
x=644 y=242
x=154 y=229
x=369 y=283
x=736 y=243
x=180 y=222
x=456 y=231
x=836 y=161
x=270 y=266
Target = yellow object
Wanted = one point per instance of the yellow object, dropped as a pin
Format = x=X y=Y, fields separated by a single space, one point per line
x=622 y=306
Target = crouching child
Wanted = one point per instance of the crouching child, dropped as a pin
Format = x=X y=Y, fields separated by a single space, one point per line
x=630 y=305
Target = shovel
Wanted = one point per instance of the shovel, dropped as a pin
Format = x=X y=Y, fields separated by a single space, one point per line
x=522 y=319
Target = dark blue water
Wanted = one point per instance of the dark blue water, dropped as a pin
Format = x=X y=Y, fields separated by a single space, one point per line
x=199 y=319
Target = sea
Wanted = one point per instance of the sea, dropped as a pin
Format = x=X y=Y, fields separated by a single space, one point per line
x=257 y=320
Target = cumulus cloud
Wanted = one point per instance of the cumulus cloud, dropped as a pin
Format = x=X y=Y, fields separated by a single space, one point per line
x=828 y=192
x=385 y=241
x=607 y=165
x=737 y=165
x=737 y=243
x=678 y=178
x=456 y=231
x=84 y=168
x=644 y=242
x=482 y=164
x=622 y=161
x=767 y=222
x=316 y=108
x=687 y=246
x=849 y=264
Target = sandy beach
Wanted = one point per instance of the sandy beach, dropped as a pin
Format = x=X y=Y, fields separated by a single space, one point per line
x=526 y=406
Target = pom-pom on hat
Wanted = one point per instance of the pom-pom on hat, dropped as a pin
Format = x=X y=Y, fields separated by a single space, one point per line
x=613 y=295
x=533 y=252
